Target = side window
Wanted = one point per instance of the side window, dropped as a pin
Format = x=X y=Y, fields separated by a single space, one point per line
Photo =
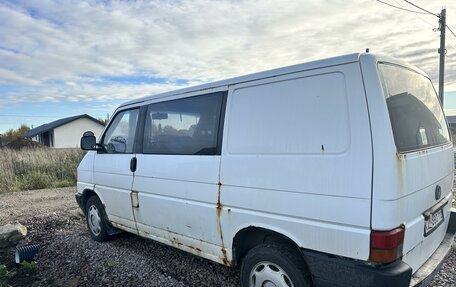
x=120 y=136
x=188 y=126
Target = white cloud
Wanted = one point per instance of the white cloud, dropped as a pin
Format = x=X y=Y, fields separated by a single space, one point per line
x=85 y=92
x=48 y=48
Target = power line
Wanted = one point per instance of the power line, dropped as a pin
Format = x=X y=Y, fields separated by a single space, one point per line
x=422 y=8
x=428 y=12
x=417 y=12
x=442 y=28
x=419 y=16
x=452 y=40
x=452 y=45
x=449 y=29
x=408 y=10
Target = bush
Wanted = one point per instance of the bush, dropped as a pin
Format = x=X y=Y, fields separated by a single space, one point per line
x=36 y=168
x=35 y=180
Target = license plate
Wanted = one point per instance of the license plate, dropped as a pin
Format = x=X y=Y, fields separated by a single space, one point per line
x=433 y=218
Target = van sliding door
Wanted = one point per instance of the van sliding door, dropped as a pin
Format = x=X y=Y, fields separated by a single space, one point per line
x=176 y=180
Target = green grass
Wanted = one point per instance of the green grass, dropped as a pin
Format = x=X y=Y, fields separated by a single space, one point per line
x=38 y=168
x=5 y=274
x=3 y=271
x=18 y=274
x=28 y=265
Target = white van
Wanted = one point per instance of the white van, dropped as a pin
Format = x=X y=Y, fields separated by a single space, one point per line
x=336 y=172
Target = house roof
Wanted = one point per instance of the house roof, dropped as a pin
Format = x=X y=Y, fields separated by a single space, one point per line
x=451 y=120
x=52 y=125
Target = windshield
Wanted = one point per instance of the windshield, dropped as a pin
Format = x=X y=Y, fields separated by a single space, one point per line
x=416 y=116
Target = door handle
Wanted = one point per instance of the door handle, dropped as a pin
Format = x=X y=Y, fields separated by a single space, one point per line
x=133 y=162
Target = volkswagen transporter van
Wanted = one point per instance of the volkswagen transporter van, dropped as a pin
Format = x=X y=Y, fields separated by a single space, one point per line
x=336 y=172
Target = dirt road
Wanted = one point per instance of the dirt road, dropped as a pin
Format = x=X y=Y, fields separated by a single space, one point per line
x=70 y=258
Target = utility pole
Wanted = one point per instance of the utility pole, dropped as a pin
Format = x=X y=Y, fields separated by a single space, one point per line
x=442 y=52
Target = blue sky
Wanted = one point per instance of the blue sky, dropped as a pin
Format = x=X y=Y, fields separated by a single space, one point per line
x=63 y=58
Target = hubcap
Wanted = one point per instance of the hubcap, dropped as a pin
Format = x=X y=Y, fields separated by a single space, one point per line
x=94 y=220
x=268 y=274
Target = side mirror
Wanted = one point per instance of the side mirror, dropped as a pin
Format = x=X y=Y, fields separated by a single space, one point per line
x=88 y=141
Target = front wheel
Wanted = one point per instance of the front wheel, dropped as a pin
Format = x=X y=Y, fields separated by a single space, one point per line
x=274 y=265
x=96 y=219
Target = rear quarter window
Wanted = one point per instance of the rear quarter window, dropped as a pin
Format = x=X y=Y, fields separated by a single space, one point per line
x=417 y=119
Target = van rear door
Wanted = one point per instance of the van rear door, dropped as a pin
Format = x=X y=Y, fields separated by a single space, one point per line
x=413 y=160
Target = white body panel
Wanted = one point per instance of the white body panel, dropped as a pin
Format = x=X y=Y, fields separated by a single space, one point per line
x=85 y=173
x=178 y=199
x=113 y=181
x=292 y=137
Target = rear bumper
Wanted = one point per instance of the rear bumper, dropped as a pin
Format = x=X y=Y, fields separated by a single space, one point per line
x=330 y=271
x=424 y=275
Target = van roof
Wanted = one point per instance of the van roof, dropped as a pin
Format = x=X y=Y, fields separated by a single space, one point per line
x=255 y=76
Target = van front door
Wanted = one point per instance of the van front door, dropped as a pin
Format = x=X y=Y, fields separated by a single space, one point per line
x=113 y=169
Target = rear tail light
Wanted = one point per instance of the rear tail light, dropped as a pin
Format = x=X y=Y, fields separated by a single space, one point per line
x=386 y=246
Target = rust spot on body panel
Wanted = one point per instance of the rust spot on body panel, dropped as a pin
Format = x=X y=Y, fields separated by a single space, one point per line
x=175 y=242
x=225 y=258
x=218 y=211
x=401 y=156
x=124 y=227
x=423 y=152
x=144 y=233
x=401 y=161
x=219 y=206
x=194 y=249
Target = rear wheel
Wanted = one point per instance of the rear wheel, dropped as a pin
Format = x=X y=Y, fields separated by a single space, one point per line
x=274 y=265
x=96 y=219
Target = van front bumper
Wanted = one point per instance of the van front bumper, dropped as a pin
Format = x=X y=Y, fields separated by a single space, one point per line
x=331 y=271
x=80 y=201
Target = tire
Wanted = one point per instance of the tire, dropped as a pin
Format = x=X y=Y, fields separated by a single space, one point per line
x=96 y=219
x=275 y=263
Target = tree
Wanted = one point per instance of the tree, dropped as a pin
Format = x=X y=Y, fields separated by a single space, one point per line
x=14 y=134
x=104 y=120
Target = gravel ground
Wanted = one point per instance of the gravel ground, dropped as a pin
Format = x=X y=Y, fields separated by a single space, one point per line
x=70 y=258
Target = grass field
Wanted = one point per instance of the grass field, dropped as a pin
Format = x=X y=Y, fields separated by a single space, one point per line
x=37 y=168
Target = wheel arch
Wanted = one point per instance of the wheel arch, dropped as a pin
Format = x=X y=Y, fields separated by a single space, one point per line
x=253 y=235
x=89 y=192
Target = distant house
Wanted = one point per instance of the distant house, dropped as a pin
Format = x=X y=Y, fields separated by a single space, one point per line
x=65 y=133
